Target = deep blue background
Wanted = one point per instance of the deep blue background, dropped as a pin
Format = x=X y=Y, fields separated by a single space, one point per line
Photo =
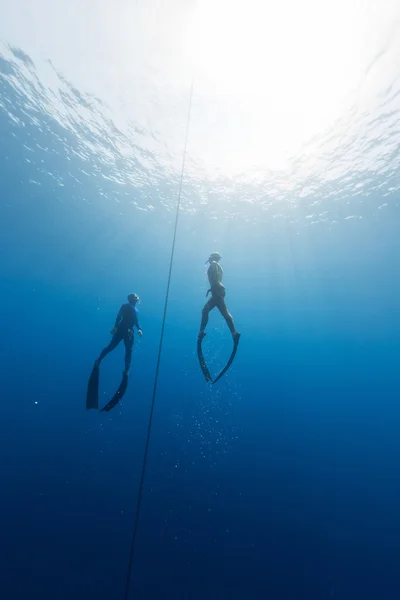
x=280 y=482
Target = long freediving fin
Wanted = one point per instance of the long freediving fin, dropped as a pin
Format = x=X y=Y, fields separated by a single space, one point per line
x=230 y=361
x=118 y=394
x=202 y=362
x=92 y=394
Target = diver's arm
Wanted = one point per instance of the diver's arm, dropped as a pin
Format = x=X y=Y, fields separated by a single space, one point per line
x=213 y=273
x=119 y=318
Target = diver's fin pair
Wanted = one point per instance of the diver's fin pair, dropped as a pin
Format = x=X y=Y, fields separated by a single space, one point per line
x=92 y=396
x=203 y=365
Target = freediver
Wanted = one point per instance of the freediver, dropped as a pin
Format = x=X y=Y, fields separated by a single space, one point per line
x=217 y=299
x=123 y=329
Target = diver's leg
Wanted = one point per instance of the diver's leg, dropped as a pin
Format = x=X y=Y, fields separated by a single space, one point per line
x=227 y=316
x=204 y=316
x=117 y=337
x=128 y=341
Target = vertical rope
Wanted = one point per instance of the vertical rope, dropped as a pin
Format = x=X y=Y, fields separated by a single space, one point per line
x=144 y=463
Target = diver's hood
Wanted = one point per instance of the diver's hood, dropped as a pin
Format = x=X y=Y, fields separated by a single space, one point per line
x=215 y=255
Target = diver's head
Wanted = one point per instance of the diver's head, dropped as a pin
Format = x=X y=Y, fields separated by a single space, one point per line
x=215 y=256
x=133 y=299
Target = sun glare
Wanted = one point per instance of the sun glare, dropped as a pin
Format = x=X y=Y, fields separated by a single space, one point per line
x=281 y=71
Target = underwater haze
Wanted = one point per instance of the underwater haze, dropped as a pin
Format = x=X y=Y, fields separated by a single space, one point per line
x=274 y=128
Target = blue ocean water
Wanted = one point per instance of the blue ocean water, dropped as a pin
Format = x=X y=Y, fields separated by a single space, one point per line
x=281 y=481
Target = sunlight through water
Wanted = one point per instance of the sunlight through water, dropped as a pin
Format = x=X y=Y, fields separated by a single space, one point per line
x=295 y=106
x=284 y=71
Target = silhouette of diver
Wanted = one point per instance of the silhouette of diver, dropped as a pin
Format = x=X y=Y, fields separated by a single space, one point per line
x=123 y=329
x=217 y=299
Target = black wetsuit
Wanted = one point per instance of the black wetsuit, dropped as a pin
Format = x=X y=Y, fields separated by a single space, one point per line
x=126 y=320
x=217 y=297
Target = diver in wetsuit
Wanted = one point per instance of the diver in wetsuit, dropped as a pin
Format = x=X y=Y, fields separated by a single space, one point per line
x=217 y=299
x=126 y=320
